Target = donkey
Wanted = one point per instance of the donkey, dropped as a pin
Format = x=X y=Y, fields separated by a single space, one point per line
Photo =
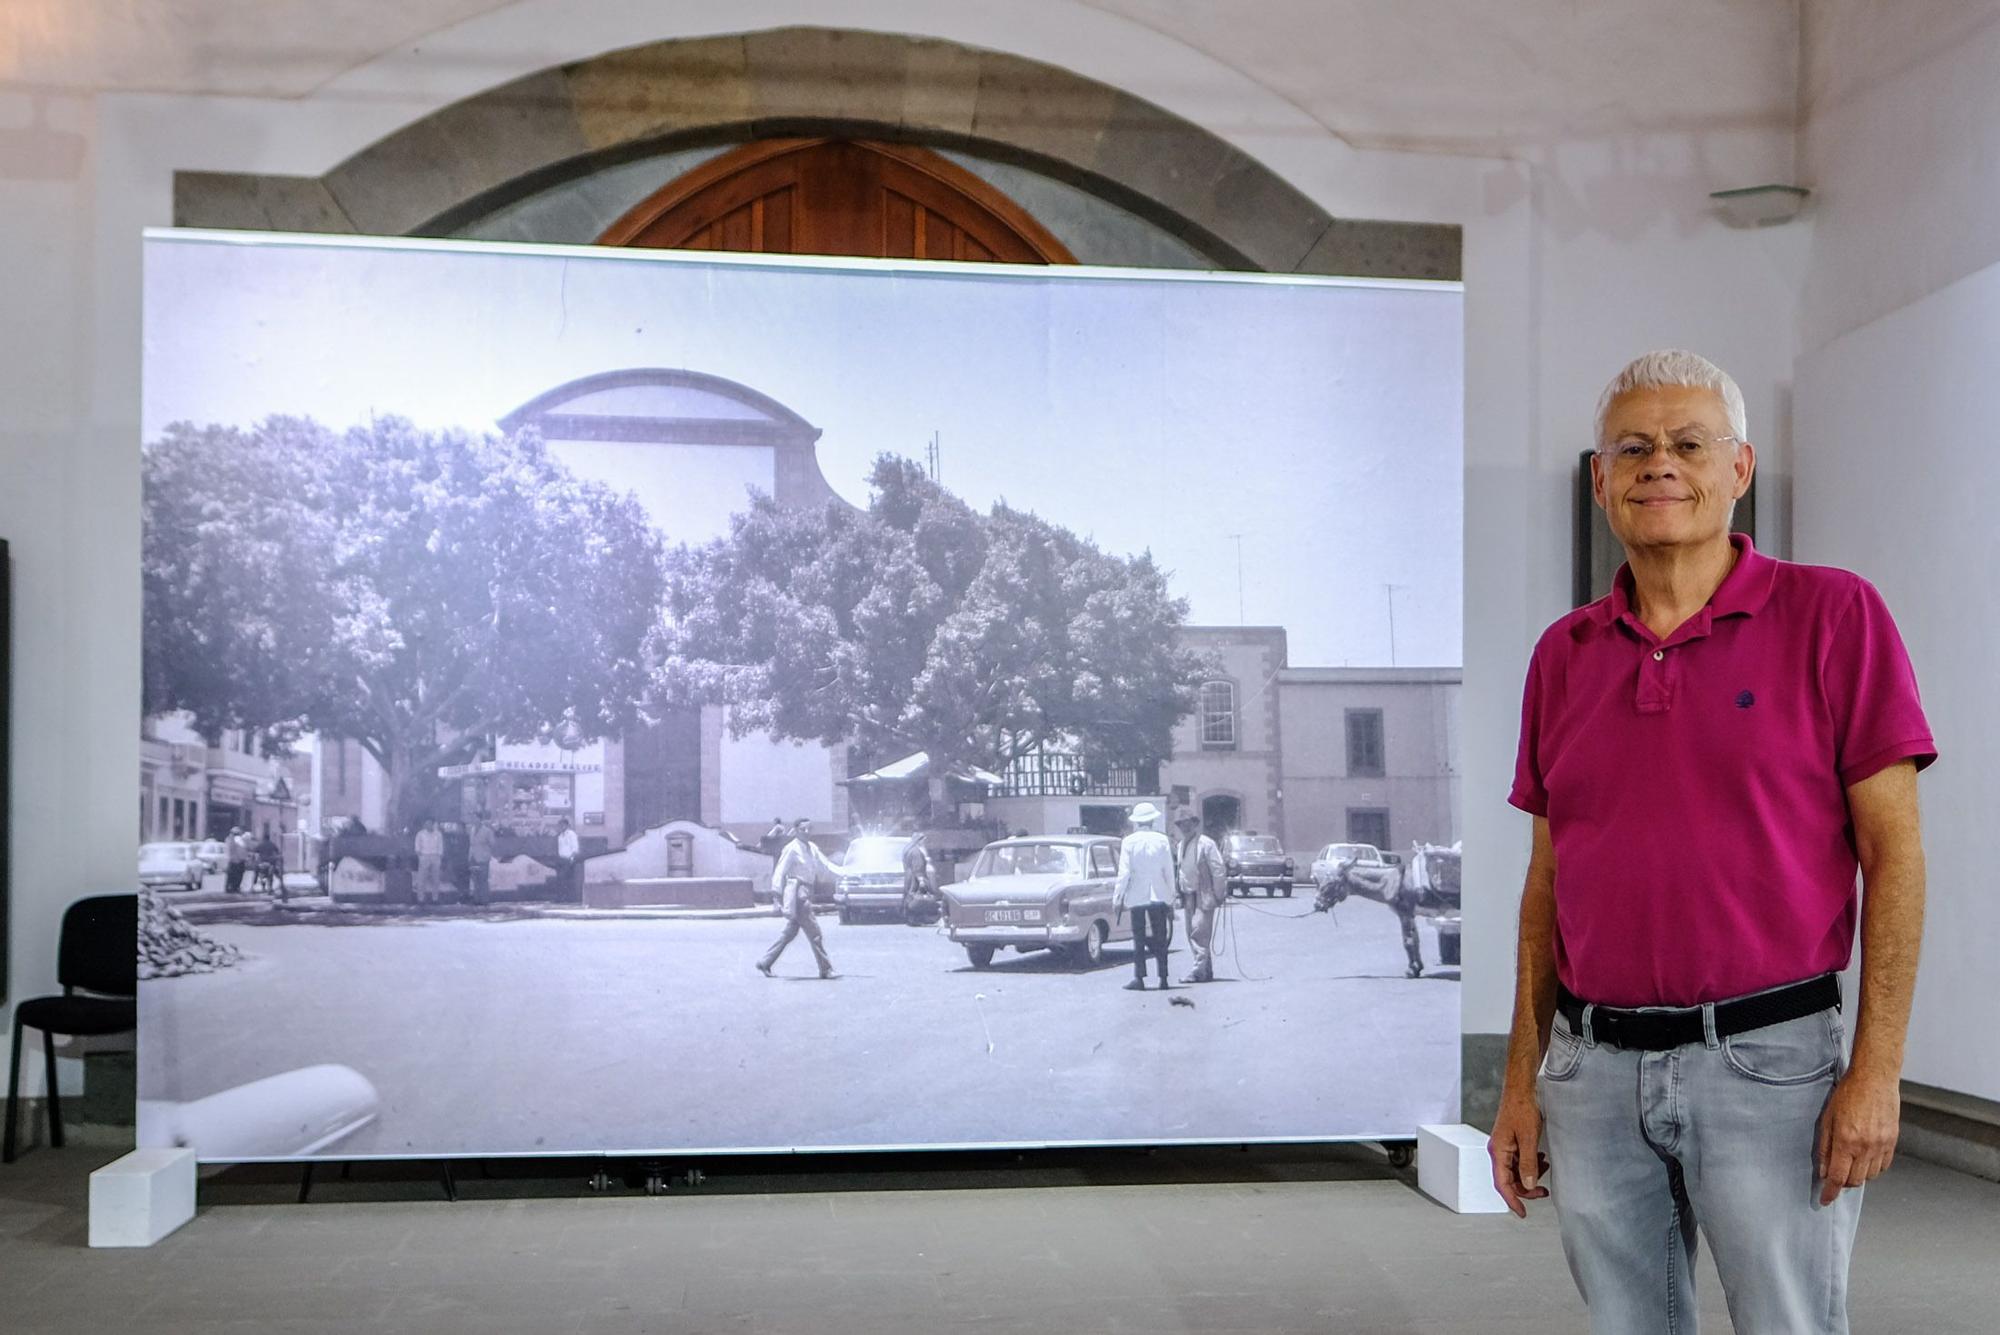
x=1390 y=885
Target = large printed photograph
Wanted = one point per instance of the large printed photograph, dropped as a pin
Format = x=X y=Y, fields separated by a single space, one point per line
x=599 y=702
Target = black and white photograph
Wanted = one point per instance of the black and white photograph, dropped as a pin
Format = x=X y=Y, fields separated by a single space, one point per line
x=604 y=703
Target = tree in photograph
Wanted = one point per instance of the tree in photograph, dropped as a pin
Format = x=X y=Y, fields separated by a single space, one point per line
x=416 y=591
x=920 y=624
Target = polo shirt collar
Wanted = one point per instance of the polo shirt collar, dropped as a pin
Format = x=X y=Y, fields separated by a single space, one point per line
x=1743 y=592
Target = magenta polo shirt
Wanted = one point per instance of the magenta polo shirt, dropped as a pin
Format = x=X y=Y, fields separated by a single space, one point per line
x=1695 y=787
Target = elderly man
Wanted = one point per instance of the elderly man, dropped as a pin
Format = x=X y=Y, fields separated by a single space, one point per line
x=1204 y=880
x=799 y=865
x=1146 y=888
x=1708 y=753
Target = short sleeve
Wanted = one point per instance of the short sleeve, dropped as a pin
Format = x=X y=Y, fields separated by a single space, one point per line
x=1530 y=793
x=1871 y=691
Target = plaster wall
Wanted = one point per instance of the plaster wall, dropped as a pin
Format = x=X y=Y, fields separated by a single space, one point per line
x=1899 y=139
x=1899 y=333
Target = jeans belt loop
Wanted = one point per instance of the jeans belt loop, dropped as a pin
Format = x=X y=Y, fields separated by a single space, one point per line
x=1589 y=1034
x=1708 y=1025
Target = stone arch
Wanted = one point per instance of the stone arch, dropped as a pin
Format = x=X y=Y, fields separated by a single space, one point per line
x=569 y=121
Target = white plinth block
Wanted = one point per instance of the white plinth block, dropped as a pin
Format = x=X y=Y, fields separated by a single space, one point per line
x=1454 y=1169
x=139 y=1199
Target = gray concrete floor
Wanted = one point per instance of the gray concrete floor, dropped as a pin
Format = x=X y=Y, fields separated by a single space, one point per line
x=1267 y=1240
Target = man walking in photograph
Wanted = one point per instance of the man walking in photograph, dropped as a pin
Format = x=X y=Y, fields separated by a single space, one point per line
x=1146 y=888
x=799 y=865
x=1709 y=754
x=1204 y=883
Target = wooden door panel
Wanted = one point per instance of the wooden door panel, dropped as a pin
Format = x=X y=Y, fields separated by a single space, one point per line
x=837 y=197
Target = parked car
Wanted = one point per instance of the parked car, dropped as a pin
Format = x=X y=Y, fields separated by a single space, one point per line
x=871 y=877
x=1256 y=860
x=1330 y=858
x=171 y=865
x=214 y=853
x=1046 y=892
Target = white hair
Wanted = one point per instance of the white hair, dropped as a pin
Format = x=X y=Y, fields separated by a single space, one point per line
x=1675 y=367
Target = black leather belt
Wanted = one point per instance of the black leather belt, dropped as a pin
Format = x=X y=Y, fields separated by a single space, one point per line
x=1658 y=1028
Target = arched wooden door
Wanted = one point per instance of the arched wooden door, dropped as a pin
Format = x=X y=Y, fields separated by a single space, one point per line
x=837 y=197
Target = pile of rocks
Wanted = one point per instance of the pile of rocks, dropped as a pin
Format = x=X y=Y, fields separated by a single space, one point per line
x=169 y=946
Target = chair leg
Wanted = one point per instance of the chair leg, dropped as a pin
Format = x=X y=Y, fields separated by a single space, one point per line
x=55 y=1099
x=13 y=1092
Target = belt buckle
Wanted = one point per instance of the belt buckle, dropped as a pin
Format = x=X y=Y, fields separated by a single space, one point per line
x=1608 y=1026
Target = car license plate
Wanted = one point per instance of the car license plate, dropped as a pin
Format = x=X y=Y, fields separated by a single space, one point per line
x=1013 y=915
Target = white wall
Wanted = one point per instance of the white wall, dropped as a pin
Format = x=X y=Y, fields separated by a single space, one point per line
x=1580 y=251
x=1900 y=335
x=1902 y=488
x=1900 y=142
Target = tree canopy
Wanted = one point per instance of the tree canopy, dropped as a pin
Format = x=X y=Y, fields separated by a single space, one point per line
x=415 y=591
x=920 y=624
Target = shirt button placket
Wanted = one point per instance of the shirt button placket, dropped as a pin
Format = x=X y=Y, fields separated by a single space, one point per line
x=1655 y=694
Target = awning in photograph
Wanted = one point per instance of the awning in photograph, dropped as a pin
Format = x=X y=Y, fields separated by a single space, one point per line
x=917 y=765
x=484 y=767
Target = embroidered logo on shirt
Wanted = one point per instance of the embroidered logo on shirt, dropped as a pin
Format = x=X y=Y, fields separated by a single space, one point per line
x=1744 y=699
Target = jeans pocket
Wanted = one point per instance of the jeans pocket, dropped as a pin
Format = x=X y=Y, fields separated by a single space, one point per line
x=1564 y=1056
x=1795 y=1052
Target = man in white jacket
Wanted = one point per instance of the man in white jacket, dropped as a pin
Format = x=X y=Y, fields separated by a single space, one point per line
x=799 y=865
x=1147 y=889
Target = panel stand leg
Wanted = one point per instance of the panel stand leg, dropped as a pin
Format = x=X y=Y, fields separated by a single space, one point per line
x=450 y=1182
x=306 y=1184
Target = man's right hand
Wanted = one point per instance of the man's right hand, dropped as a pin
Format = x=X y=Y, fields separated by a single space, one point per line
x=1515 y=1146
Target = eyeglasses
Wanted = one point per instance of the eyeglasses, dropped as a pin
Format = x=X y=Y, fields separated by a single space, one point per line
x=1691 y=448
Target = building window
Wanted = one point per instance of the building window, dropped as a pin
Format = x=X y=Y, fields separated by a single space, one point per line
x=1218 y=716
x=1368 y=825
x=180 y=819
x=1365 y=754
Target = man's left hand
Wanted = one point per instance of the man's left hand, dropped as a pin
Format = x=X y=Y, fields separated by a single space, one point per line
x=1857 y=1133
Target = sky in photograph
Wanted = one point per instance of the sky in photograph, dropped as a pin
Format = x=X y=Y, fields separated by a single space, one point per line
x=1321 y=422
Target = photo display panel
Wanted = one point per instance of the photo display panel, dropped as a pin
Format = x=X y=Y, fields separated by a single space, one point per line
x=610 y=702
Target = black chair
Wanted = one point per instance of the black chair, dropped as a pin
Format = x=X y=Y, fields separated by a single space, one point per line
x=98 y=954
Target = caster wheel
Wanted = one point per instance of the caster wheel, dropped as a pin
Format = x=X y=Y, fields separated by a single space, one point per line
x=1401 y=1156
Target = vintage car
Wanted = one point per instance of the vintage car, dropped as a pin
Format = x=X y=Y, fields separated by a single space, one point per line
x=214 y=853
x=172 y=864
x=1255 y=860
x=1045 y=892
x=1329 y=859
x=871 y=877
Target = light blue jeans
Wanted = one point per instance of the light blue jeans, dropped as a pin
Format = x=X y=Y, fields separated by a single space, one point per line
x=1644 y=1147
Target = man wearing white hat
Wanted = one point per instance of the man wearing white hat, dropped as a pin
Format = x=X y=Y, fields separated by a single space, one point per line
x=1146 y=886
